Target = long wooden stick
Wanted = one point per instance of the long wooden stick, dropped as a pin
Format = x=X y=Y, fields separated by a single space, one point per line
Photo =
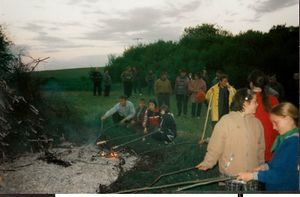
x=116 y=138
x=206 y=119
x=172 y=173
x=204 y=183
x=134 y=140
x=169 y=146
x=216 y=179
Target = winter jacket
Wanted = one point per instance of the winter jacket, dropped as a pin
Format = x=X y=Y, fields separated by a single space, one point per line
x=214 y=93
x=237 y=144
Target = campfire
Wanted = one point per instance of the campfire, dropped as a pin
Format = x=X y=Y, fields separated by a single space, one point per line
x=108 y=154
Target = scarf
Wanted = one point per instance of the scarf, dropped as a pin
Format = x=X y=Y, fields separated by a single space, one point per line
x=280 y=138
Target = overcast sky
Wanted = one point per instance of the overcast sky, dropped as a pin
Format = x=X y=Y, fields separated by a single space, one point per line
x=81 y=33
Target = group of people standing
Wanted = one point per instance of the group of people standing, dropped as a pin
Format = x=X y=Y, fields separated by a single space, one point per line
x=98 y=79
x=133 y=81
x=257 y=141
x=255 y=138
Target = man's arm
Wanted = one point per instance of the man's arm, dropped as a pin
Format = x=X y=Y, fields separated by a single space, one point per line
x=131 y=111
x=110 y=112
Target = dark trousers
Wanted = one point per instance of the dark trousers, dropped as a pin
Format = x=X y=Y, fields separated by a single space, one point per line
x=163 y=99
x=196 y=109
x=150 y=87
x=127 y=85
x=97 y=89
x=118 y=118
x=106 y=90
x=182 y=101
x=137 y=87
x=162 y=136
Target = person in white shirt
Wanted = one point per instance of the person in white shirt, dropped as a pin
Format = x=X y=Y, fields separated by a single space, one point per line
x=122 y=112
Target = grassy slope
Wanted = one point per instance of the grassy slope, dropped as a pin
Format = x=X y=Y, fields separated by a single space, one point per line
x=82 y=124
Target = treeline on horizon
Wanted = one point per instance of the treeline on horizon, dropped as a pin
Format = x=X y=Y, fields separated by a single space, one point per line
x=208 y=46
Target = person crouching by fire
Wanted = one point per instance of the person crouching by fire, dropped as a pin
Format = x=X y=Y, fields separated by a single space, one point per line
x=122 y=112
x=167 y=127
x=237 y=141
x=138 y=119
x=152 y=117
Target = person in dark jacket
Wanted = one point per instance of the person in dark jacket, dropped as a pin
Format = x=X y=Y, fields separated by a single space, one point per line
x=150 y=80
x=167 y=127
x=127 y=78
x=96 y=77
x=282 y=172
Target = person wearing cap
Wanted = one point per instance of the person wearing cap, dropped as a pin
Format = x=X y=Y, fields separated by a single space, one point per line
x=122 y=112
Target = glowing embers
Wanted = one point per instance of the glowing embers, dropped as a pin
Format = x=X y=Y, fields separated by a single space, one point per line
x=108 y=154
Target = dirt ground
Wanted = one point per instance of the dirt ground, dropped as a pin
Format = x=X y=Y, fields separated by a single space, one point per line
x=87 y=171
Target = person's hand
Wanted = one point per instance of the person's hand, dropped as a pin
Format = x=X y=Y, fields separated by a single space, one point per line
x=103 y=118
x=259 y=168
x=202 y=167
x=245 y=176
x=123 y=121
x=145 y=131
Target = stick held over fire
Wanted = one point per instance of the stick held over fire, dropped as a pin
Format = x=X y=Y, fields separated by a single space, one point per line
x=134 y=140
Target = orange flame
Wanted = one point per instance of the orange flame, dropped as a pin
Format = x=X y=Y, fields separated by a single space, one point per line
x=114 y=154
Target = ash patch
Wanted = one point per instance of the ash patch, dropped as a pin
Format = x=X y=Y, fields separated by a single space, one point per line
x=86 y=172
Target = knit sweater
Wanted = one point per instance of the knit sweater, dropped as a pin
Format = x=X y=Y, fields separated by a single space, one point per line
x=283 y=174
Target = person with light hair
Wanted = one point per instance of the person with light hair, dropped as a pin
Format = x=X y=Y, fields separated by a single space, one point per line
x=282 y=172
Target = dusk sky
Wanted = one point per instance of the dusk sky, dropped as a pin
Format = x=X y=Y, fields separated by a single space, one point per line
x=82 y=33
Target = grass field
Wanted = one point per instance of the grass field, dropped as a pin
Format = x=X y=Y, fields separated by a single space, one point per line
x=79 y=120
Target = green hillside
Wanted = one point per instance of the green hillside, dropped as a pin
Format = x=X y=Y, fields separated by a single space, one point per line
x=66 y=79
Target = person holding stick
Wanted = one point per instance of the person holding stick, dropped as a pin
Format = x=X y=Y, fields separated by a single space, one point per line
x=152 y=117
x=282 y=172
x=122 y=112
x=237 y=142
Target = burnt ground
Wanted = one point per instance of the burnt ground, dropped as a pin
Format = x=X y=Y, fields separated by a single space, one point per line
x=160 y=160
x=63 y=170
